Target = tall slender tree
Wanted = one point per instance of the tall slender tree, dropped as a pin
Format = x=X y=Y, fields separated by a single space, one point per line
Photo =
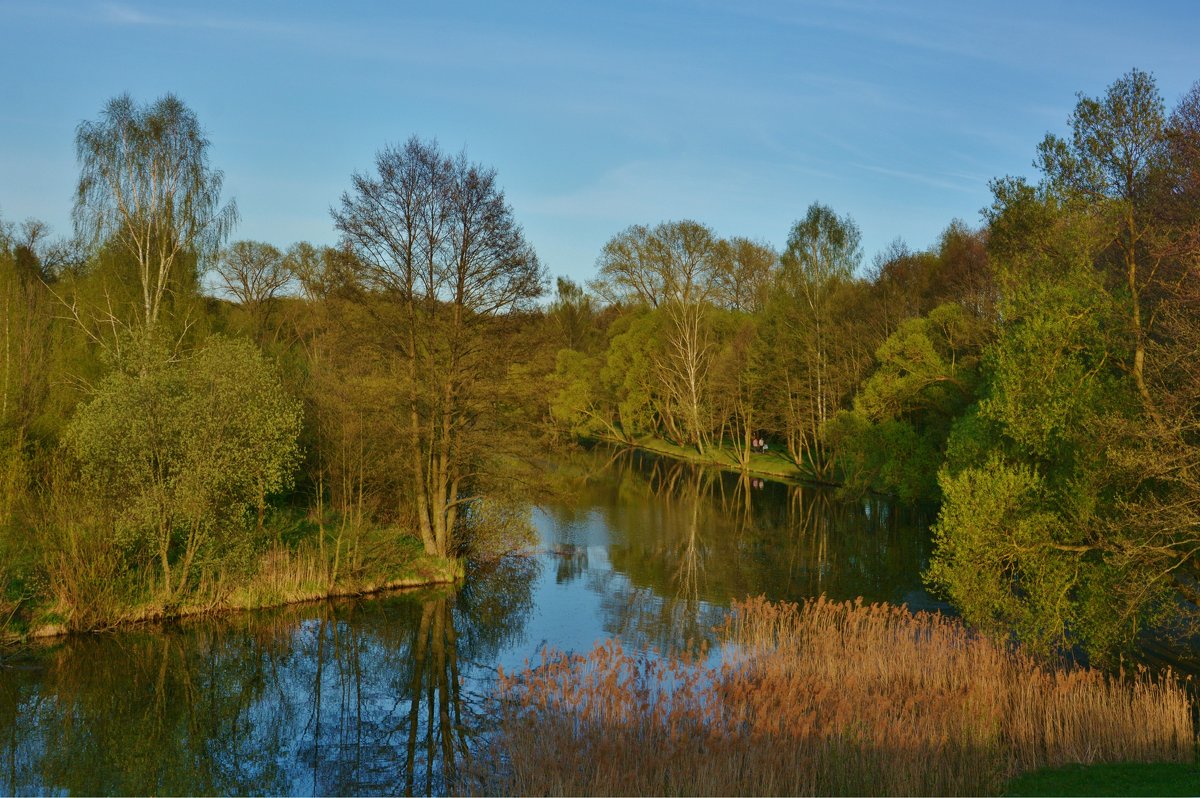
x=146 y=186
x=823 y=252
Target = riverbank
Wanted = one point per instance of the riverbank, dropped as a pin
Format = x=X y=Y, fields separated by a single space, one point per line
x=770 y=464
x=282 y=575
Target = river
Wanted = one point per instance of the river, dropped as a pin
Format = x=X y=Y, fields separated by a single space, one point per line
x=387 y=694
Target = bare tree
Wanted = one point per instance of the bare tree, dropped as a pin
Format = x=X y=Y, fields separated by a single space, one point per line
x=145 y=185
x=441 y=263
x=745 y=270
x=672 y=261
x=253 y=273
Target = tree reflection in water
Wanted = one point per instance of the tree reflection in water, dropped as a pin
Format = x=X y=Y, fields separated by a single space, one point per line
x=344 y=698
x=385 y=695
x=683 y=540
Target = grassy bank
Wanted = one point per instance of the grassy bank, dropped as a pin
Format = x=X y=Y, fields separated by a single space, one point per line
x=771 y=464
x=821 y=699
x=1124 y=778
x=90 y=592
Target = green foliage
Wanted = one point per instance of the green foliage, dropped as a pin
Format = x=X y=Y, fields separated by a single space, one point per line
x=996 y=552
x=1050 y=375
x=1029 y=536
x=1013 y=531
x=578 y=402
x=1069 y=510
x=629 y=373
x=927 y=373
x=890 y=456
x=929 y=364
x=182 y=450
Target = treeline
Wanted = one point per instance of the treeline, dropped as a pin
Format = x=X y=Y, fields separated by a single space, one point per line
x=1040 y=377
x=189 y=423
x=717 y=343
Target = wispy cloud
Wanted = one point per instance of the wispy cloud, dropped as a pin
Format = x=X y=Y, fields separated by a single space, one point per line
x=120 y=14
x=130 y=15
x=948 y=181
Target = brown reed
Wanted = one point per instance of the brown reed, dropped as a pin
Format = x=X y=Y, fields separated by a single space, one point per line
x=822 y=698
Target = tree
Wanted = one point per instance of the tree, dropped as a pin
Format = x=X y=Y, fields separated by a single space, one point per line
x=25 y=354
x=800 y=344
x=27 y=261
x=145 y=184
x=1049 y=554
x=674 y=269
x=442 y=267
x=1117 y=144
x=670 y=262
x=572 y=316
x=1079 y=464
x=737 y=386
x=926 y=375
x=745 y=269
x=253 y=273
x=183 y=450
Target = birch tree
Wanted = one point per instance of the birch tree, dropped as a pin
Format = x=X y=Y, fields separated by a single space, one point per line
x=146 y=186
x=823 y=251
x=675 y=268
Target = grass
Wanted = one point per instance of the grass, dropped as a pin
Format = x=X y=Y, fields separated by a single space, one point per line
x=1110 y=779
x=822 y=698
x=306 y=572
x=768 y=464
x=90 y=590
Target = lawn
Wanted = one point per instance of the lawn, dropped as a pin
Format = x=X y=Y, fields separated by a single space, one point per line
x=1110 y=779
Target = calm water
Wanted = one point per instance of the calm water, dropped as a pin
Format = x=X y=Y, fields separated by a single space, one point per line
x=385 y=695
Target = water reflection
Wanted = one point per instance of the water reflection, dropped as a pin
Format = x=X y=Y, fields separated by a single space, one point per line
x=366 y=697
x=387 y=695
x=680 y=541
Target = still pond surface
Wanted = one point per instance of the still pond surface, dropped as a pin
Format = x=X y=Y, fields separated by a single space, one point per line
x=385 y=695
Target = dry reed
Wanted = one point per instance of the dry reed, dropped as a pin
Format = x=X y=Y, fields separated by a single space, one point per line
x=822 y=698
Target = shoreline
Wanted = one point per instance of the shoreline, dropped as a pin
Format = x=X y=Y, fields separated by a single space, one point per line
x=784 y=469
x=431 y=573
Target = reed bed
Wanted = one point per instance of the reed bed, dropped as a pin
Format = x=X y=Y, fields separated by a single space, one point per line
x=822 y=698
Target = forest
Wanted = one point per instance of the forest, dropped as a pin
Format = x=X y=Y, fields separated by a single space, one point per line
x=192 y=422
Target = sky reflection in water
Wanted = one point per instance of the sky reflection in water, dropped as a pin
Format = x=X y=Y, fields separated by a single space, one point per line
x=385 y=695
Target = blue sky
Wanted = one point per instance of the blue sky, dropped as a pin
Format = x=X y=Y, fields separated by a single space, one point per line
x=596 y=115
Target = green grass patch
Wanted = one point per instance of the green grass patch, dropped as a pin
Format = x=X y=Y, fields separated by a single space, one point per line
x=770 y=463
x=1110 y=779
